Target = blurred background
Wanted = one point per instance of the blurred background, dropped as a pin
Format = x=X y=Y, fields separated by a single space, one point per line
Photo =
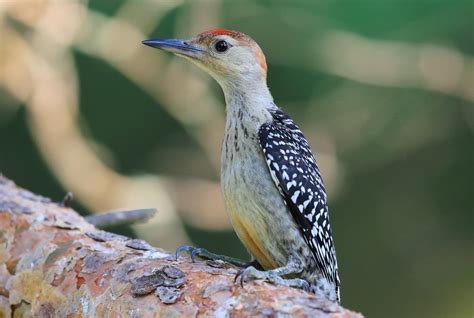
x=384 y=91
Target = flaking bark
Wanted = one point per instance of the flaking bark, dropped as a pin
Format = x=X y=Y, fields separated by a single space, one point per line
x=55 y=264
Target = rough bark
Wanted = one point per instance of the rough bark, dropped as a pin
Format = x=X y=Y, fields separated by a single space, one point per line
x=55 y=264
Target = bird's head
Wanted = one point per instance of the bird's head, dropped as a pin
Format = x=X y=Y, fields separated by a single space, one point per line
x=229 y=56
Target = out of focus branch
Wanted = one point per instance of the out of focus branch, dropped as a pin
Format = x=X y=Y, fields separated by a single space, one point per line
x=401 y=64
x=114 y=218
x=55 y=264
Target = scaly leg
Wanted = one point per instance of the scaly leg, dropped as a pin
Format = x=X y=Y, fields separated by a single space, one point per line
x=274 y=276
x=203 y=253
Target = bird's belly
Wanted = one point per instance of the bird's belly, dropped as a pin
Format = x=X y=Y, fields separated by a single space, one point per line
x=250 y=226
x=256 y=210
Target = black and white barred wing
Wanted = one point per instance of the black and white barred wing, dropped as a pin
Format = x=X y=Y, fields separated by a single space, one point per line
x=294 y=171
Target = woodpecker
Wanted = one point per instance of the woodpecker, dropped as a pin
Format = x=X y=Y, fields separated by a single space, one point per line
x=272 y=187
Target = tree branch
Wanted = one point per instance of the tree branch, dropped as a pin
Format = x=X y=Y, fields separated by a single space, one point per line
x=55 y=264
x=114 y=218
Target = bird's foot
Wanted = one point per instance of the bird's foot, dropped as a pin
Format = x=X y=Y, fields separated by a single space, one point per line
x=203 y=253
x=293 y=267
x=272 y=276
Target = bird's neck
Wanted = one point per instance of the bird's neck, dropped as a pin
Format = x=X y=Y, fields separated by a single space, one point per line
x=248 y=104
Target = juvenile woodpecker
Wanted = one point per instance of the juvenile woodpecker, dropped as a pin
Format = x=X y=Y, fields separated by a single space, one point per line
x=272 y=188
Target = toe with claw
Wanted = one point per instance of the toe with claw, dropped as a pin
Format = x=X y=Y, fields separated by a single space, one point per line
x=192 y=251
x=271 y=276
x=203 y=253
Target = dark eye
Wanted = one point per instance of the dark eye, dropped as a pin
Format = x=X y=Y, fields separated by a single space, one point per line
x=221 y=46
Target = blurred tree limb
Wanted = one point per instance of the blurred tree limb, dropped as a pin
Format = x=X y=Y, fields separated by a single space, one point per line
x=114 y=218
x=55 y=264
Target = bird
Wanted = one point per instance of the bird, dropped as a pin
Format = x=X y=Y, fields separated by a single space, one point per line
x=272 y=187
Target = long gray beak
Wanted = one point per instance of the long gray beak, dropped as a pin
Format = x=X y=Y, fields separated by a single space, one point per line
x=175 y=46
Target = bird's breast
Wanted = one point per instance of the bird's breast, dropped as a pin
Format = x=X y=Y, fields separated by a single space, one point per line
x=251 y=199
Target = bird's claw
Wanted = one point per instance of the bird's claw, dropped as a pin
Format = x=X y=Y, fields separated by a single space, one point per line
x=203 y=253
x=192 y=251
x=242 y=274
x=302 y=284
x=270 y=276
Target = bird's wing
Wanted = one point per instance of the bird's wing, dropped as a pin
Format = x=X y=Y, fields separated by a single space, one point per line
x=296 y=174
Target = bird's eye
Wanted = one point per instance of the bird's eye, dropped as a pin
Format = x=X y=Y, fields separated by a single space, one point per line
x=221 y=46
